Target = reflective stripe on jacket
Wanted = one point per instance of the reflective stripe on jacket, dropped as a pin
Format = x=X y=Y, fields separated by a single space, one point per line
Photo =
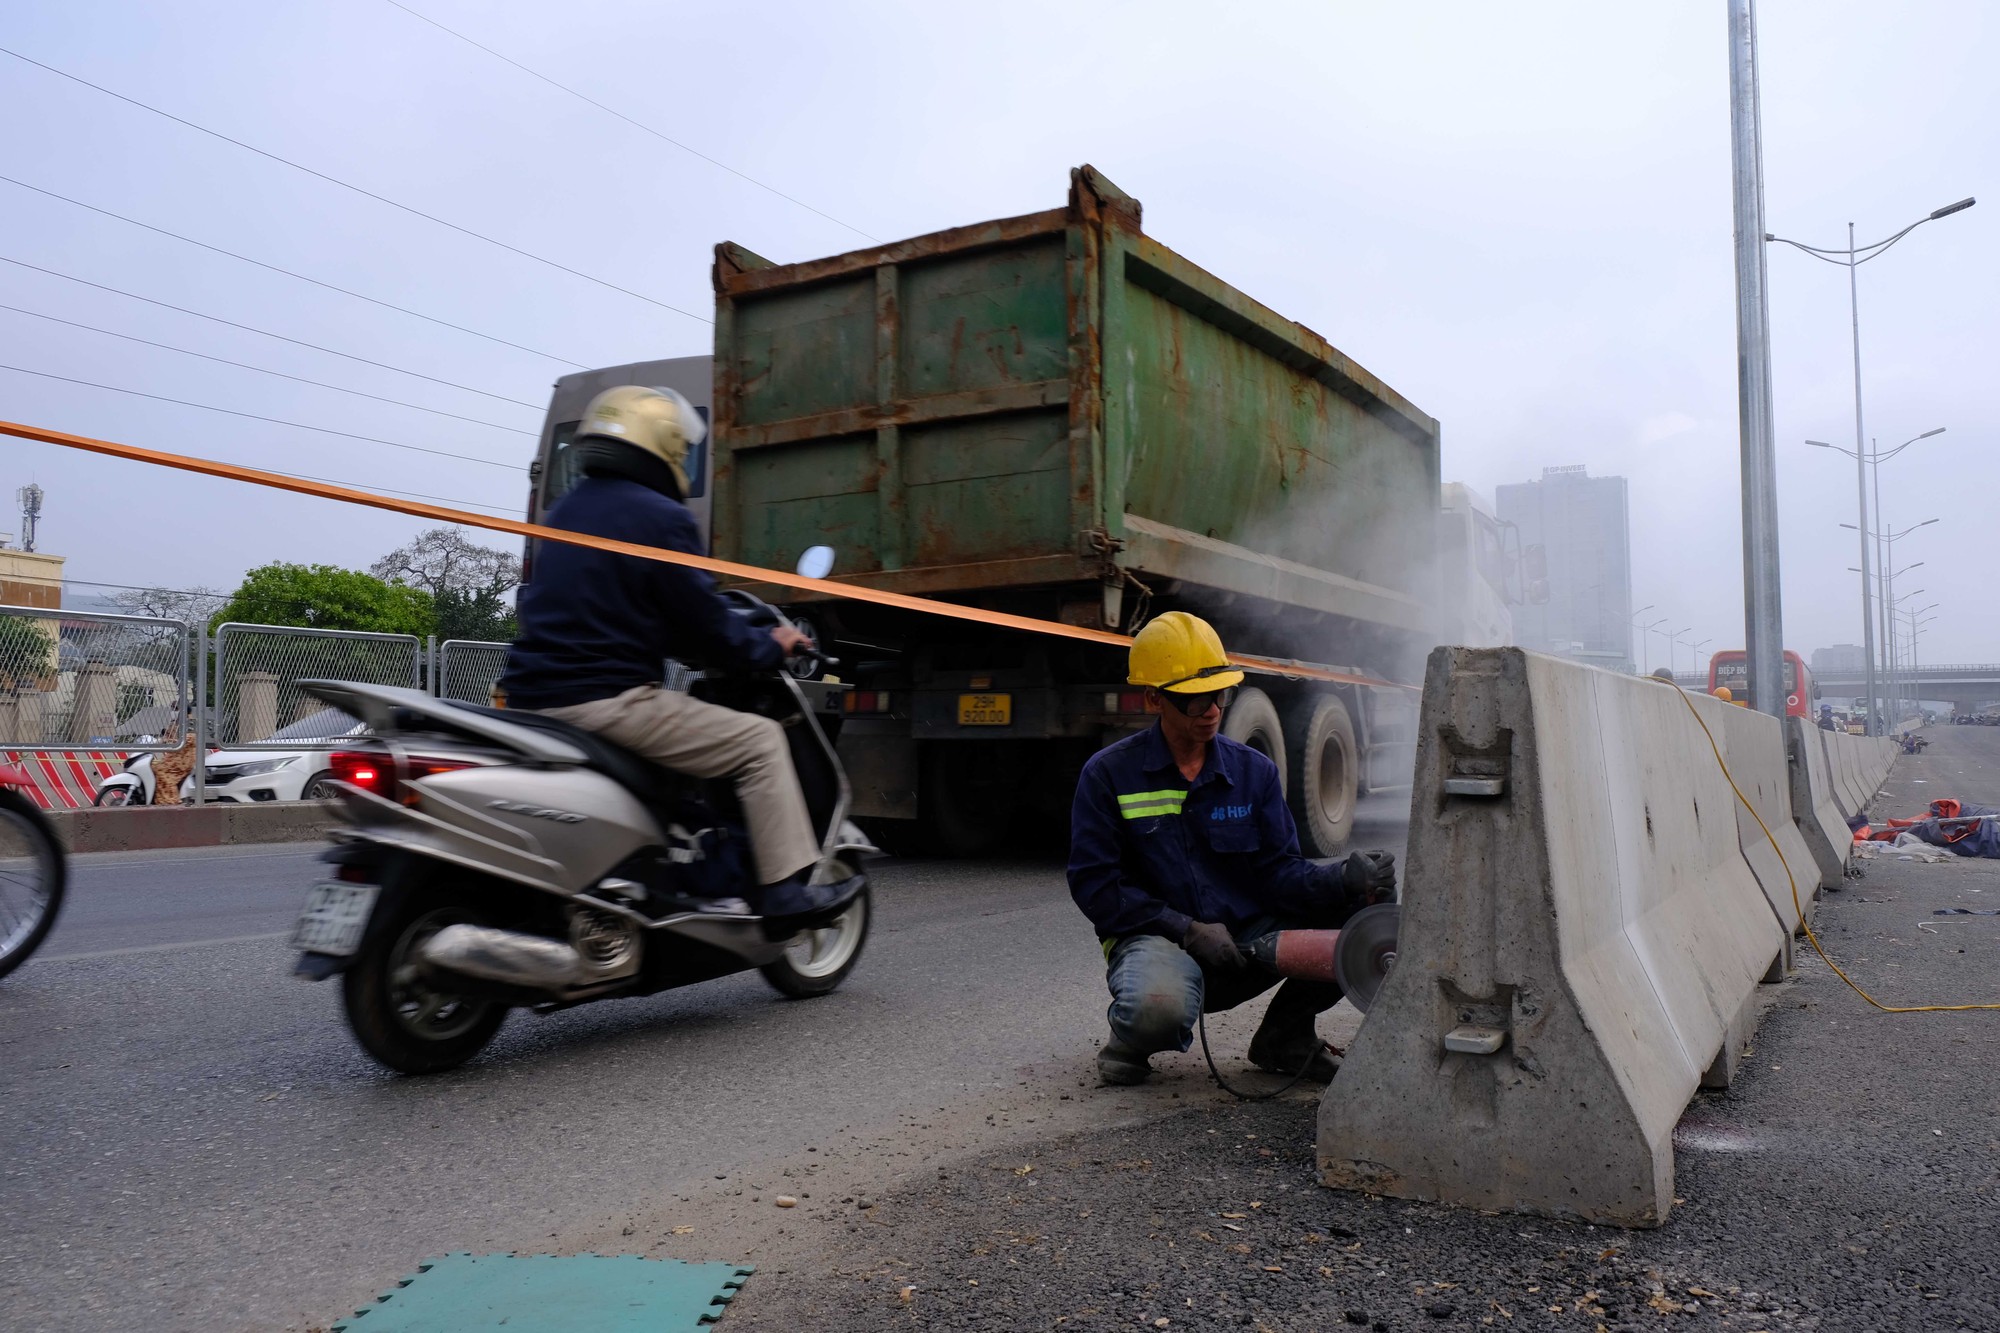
x=1150 y=852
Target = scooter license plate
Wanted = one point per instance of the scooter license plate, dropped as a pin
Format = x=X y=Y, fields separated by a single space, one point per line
x=985 y=710
x=334 y=919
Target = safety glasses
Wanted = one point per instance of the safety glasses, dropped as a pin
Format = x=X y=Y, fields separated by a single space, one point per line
x=1197 y=705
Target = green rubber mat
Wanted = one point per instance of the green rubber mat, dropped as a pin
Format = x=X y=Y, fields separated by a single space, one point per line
x=547 y=1293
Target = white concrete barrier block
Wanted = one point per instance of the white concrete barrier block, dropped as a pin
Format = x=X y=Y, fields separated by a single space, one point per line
x=1814 y=809
x=1599 y=912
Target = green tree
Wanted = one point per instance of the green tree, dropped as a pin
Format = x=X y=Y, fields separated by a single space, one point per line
x=482 y=614
x=328 y=597
x=27 y=650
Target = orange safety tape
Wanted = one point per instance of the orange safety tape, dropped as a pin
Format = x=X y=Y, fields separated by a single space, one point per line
x=832 y=587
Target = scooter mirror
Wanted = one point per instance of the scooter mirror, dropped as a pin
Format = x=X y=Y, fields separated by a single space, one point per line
x=815 y=562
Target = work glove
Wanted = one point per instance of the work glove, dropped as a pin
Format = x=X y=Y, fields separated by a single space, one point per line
x=1369 y=877
x=1211 y=946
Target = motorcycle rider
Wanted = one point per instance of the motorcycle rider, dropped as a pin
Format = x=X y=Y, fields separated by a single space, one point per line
x=597 y=629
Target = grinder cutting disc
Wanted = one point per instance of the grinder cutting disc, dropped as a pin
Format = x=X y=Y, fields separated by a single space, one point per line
x=1366 y=952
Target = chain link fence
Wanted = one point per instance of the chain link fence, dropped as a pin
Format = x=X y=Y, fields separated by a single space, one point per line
x=257 y=699
x=81 y=680
x=468 y=670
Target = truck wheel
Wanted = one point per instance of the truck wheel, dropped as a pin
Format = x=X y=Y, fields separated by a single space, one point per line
x=1325 y=772
x=1253 y=720
x=970 y=795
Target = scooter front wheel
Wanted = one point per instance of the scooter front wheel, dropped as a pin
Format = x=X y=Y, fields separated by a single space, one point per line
x=393 y=1010
x=819 y=960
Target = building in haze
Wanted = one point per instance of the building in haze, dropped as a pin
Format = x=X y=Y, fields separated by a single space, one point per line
x=1581 y=521
x=1843 y=659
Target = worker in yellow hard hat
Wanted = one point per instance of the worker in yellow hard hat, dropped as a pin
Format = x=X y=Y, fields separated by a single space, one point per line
x=1181 y=847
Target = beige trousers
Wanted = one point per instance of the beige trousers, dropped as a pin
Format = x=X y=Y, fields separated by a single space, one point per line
x=705 y=740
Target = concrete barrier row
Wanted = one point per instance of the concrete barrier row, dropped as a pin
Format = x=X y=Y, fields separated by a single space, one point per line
x=152 y=827
x=1815 y=806
x=1587 y=913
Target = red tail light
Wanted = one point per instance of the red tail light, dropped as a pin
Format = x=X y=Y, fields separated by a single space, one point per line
x=377 y=773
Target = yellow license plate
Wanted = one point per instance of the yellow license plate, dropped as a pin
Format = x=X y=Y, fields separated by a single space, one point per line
x=985 y=710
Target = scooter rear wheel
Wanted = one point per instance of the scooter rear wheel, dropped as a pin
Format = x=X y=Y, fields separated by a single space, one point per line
x=393 y=1011
x=820 y=959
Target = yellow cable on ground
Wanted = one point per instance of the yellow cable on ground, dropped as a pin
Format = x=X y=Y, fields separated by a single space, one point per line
x=1797 y=906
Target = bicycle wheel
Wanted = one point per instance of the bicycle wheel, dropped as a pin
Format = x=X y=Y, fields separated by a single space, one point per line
x=32 y=876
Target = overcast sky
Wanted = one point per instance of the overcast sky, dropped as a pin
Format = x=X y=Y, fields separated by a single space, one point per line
x=1518 y=215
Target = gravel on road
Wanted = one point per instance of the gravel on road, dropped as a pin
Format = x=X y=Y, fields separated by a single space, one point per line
x=1847 y=1181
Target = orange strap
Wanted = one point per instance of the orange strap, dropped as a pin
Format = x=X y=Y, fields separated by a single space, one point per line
x=832 y=587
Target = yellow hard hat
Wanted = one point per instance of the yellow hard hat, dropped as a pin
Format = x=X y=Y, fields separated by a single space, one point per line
x=1181 y=653
x=1722 y=693
x=662 y=422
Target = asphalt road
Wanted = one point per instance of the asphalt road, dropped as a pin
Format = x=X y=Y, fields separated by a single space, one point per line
x=1847 y=1182
x=192 y=1140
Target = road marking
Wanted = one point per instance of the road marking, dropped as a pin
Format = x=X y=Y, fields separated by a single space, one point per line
x=160 y=948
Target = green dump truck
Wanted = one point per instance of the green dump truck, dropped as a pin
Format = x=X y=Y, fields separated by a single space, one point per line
x=1057 y=416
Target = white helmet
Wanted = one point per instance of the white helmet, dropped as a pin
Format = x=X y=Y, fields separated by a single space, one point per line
x=661 y=422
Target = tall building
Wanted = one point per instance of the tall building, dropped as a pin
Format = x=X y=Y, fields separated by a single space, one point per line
x=1841 y=659
x=1581 y=522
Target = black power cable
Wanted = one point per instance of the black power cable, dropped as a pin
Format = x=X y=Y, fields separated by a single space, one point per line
x=261 y=370
x=349 y=185
x=266 y=333
x=216 y=249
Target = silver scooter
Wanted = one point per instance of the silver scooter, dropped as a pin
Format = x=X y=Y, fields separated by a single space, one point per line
x=496 y=859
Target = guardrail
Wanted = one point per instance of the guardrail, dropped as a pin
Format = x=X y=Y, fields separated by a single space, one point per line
x=83 y=691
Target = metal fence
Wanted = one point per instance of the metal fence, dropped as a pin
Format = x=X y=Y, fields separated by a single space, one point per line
x=78 y=680
x=257 y=702
x=468 y=670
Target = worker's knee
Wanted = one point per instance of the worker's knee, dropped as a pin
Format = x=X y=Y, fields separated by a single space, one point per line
x=1155 y=996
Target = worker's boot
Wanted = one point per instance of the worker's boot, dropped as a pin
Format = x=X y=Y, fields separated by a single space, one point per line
x=1289 y=1046
x=1119 y=1064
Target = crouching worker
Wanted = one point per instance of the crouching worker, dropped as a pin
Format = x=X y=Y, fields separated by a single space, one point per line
x=1182 y=847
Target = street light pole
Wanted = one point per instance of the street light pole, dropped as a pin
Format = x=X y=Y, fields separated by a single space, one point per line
x=1633 y=621
x=1763 y=612
x=1874 y=458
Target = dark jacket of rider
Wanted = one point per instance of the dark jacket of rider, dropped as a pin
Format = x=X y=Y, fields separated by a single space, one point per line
x=595 y=624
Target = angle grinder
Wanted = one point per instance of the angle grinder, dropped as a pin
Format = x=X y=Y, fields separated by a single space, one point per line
x=1357 y=957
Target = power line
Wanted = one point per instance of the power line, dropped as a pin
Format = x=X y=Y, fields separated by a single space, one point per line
x=251 y=328
x=349 y=185
x=275 y=421
x=636 y=124
x=372 y=300
x=244 y=365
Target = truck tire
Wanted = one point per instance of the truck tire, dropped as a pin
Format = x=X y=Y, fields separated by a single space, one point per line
x=1253 y=720
x=1325 y=774
x=970 y=795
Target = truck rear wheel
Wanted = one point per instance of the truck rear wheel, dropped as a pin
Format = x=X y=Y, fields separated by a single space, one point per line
x=1253 y=720
x=1325 y=772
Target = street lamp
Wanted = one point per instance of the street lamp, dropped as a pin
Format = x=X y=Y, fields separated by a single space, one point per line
x=1694 y=653
x=1875 y=458
x=1644 y=630
x=1853 y=257
x=1634 y=619
x=1673 y=639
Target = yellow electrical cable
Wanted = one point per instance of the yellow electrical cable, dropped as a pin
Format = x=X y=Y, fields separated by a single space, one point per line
x=1797 y=906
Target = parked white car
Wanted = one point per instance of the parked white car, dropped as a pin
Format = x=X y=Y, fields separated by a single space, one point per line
x=247 y=776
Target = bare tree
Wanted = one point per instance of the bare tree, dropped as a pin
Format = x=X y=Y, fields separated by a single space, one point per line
x=444 y=560
x=194 y=605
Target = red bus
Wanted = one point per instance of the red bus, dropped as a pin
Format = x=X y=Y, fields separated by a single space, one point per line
x=1732 y=668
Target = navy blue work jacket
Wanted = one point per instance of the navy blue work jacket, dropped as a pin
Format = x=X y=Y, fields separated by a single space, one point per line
x=1149 y=852
x=595 y=624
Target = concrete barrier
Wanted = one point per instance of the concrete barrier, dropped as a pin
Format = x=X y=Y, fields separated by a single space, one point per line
x=1754 y=746
x=1814 y=809
x=152 y=827
x=1842 y=752
x=1581 y=944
